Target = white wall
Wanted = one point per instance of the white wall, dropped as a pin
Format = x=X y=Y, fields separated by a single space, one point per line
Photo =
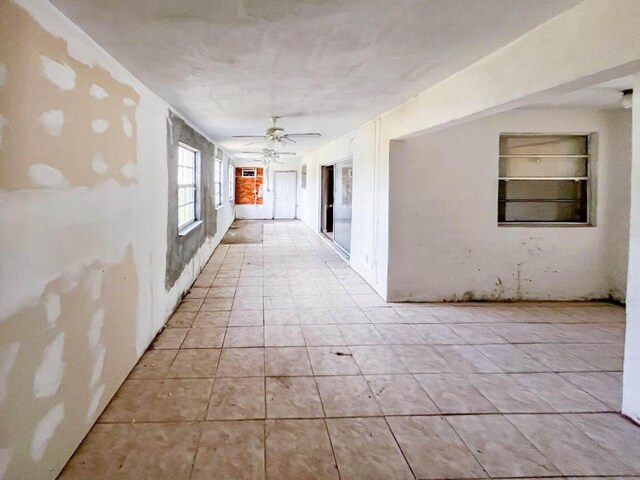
x=83 y=242
x=368 y=237
x=586 y=45
x=445 y=243
x=266 y=210
x=631 y=368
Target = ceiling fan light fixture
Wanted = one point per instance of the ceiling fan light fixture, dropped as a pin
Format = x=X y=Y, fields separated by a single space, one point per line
x=626 y=101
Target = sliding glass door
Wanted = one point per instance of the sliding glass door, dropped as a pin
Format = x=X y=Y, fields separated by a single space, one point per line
x=343 y=193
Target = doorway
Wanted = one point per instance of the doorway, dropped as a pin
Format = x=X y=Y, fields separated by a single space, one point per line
x=285 y=186
x=327 y=200
x=337 y=192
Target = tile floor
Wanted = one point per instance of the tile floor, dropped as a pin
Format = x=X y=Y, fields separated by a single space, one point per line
x=282 y=363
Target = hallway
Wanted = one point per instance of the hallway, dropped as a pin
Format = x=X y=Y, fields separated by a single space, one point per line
x=282 y=363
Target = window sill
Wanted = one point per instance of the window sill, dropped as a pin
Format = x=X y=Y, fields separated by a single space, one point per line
x=218 y=207
x=189 y=228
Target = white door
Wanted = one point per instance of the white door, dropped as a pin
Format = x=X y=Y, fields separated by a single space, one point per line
x=285 y=195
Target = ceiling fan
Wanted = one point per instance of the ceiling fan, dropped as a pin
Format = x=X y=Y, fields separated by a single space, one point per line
x=277 y=135
x=267 y=155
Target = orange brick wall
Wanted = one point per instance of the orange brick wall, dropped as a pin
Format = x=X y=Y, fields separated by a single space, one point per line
x=247 y=188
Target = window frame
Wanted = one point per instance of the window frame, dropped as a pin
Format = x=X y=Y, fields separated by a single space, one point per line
x=218 y=166
x=231 y=181
x=589 y=179
x=194 y=221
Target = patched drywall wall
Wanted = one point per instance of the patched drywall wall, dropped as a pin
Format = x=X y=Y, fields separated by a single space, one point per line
x=182 y=248
x=444 y=240
x=68 y=99
x=83 y=244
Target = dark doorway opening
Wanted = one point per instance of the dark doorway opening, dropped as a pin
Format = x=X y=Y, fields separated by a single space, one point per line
x=327 y=200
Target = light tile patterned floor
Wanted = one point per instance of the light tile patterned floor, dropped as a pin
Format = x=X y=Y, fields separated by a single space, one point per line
x=283 y=363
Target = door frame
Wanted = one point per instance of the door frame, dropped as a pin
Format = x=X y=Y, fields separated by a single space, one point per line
x=328 y=163
x=323 y=212
x=295 y=193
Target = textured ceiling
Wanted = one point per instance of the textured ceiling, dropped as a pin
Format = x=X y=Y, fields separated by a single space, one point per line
x=323 y=65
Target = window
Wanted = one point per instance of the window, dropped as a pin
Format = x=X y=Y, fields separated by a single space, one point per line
x=544 y=179
x=231 y=180
x=217 y=179
x=188 y=176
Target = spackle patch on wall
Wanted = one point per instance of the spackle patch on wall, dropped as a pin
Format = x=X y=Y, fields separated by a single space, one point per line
x=52 y=309
x=56 y=381
x=41 y=81
x=60 y=74
x=51 y=369
x=8 y=354
x=99 y=125
x=44 y=431
x=99 y=165
x=52 y=121
x=97 y=92
x=42 y=175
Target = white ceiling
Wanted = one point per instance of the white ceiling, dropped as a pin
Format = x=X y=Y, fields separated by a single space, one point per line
x=323 y=65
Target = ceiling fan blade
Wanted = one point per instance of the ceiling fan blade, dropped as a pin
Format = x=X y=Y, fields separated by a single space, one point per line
x=257 y=141
x=252 y=153
x=285 y=153
x=303 y=135
x=286 y=137
x=247 y=136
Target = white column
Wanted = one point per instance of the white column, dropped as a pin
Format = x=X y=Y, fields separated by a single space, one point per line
x=631 y=369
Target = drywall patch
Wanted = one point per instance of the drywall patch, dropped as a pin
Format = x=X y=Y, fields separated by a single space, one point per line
x=52 y=121
x=99 y=125
x=40 y=74
x=129 y=171
x=95 y=329
x=99 y=165
x=60 y=74
x=127 y=102
x=46 y=176
x=44 y=431
x=97 y=92
x=98 y=366
x=99 y=343
x=52 y=309
x=8 y=355
x=94 y=283
x=48 y=377
x=95 y=403
x=127 y=128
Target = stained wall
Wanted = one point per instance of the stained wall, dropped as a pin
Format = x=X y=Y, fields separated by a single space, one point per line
x=445 y=243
